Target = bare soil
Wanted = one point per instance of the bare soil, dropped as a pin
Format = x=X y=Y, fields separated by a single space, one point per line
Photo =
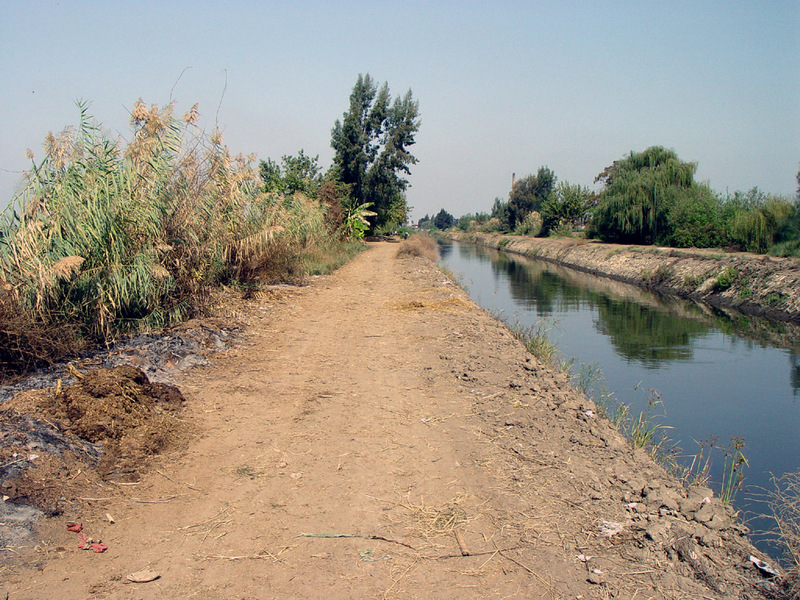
x=376 y=436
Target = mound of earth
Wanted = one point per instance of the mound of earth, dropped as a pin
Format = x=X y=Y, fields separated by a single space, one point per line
x=57 y=442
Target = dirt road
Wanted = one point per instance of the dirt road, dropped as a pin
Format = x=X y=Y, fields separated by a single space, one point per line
x=379 y=436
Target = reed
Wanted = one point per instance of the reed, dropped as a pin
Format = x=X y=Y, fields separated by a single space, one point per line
x=107 y=238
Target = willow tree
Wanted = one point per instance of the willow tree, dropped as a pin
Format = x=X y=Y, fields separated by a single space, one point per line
x=639 y=193
x=371 y=148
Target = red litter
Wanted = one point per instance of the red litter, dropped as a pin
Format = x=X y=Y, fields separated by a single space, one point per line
x=84 y=542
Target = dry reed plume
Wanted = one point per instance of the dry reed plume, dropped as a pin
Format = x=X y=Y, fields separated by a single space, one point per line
x=107 y=238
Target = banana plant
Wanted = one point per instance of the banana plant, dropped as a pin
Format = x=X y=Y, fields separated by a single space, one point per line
x=355 y=222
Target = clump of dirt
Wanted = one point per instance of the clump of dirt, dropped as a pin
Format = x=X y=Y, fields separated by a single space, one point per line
x=105 y=426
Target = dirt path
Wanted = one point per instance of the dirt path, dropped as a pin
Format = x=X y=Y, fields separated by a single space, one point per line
x=379 y=436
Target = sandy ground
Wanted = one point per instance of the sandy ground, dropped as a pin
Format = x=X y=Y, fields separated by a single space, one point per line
x=380 y=436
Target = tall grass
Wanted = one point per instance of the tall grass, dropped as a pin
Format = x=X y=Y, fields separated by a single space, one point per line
x=785 y=504
x=536 y=339
x=108 y=237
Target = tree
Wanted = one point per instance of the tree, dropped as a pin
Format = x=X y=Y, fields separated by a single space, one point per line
x=640 y=191
x=498 y=218
x=529 y=194
x=443 y=220
x=564 y=207
x=371 y=148
x=299 y=173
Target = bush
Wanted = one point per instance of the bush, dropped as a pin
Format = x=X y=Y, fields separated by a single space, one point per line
x=25 y=344
x=531 y=225
x=565 y=208
x=754 y=221
x=693 y=220
x=420 y=245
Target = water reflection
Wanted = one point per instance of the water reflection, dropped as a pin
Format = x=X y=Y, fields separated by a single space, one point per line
x=721 y=374
x=647 y=335
x=642 y=326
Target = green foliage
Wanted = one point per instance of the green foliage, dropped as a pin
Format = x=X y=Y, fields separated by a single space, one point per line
x=529 y=194
x=108 y=239
x=531 y=225
x=725 y=279
x=644 y=430
x=639 y=192
x=733 y=470
x=753 y=220
x=472 y=222
x=443 y=220
x=565 y=207
x=299 y=173
x=355 y=222
x=499 y=217
x=693 y=220
x=536 y=339
x=371 y=148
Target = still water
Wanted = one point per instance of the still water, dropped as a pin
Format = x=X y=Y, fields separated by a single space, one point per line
x=718 y=374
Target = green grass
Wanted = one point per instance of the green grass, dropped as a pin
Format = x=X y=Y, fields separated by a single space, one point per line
x=536 y=339
x=326 y=258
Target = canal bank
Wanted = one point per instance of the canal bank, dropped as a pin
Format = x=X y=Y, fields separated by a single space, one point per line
x=749 y=283
x=379 y=436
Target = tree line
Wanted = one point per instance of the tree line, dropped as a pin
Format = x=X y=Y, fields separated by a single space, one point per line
x=648 y=197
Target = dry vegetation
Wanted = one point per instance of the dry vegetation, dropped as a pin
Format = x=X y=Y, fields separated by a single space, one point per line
x=108 y=238
x=785 y=503
x=420 y=244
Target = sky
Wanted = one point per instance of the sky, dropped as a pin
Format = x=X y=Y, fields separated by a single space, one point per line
x=503 y=87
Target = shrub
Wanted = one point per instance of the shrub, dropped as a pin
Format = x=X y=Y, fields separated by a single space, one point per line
x=531 y=225
x=725 y=279
x=420 y=245
x=754 y=221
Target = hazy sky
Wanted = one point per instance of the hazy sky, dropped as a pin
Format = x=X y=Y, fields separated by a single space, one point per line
x=503 y=86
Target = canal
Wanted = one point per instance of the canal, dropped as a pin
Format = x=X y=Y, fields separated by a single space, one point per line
x=707 y=376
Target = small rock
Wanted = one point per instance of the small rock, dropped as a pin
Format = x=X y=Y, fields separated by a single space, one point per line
x=145 y=576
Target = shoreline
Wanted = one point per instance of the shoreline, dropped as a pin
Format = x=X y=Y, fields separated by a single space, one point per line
x=756 y=285
x=380 y=406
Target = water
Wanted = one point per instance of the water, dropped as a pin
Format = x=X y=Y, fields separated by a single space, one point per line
x=718 y=374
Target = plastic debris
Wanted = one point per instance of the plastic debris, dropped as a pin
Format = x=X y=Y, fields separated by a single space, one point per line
x=765 y=568
x=86 y=543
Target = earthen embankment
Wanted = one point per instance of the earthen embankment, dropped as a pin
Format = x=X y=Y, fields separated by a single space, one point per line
x=750 y=283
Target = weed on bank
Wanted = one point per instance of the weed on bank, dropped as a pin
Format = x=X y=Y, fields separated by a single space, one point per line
x=109 y=237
